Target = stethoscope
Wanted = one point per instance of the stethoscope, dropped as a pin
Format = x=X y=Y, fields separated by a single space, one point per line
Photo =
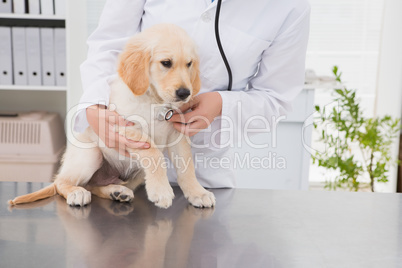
x=165 y=113
x=218 y=41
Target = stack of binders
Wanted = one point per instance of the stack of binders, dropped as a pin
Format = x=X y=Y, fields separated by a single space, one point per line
x=32 y=56
x=35 y=7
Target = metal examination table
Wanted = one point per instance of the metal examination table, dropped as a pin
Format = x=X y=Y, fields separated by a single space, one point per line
x=248 y=228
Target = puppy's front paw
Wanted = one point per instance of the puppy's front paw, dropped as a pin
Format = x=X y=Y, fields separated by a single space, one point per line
x=202 y=199
x=162 y=195
x=79 y=197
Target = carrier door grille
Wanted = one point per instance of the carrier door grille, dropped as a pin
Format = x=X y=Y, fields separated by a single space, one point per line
x=20 y=132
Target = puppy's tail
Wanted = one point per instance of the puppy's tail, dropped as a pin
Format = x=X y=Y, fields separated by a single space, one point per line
x=46 y=192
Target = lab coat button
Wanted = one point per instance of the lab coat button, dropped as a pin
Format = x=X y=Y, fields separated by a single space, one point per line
x=206 y=17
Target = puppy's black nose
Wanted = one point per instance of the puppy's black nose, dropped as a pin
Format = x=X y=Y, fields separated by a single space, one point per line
x=182 y=93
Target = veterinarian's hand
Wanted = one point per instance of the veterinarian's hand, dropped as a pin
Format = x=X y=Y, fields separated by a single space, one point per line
x=204 y=109
x=103 y=122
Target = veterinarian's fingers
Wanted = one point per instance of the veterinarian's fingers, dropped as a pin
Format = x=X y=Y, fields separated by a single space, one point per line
x=116 y=119
x=133 y=144
x=192 y=128
x=177 y=118
x=184 y=110
x=123 y=122
x=137 y=144
x=185 y=118
x=196 y=127
x=186 y=106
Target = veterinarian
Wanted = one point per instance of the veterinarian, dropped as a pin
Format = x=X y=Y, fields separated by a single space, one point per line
x=265 y=43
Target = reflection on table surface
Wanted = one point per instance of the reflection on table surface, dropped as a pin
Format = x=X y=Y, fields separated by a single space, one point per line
x=105 y=233
x=248 y=228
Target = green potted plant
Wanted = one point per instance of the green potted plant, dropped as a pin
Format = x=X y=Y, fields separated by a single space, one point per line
x=356 y=146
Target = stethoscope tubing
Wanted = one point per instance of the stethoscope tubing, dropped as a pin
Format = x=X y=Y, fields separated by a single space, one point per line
x=218 y=41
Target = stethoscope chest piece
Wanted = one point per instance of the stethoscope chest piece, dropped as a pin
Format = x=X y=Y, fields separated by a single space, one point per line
x=169 y=114
x=164 y=114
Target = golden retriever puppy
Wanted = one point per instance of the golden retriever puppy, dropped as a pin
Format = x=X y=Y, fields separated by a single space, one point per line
x=159 y=67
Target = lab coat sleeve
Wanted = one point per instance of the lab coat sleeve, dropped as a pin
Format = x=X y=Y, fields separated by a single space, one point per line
x=279 y=80
x=118 y=22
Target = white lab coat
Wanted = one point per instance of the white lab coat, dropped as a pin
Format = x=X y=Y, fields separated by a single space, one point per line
x=265 y=42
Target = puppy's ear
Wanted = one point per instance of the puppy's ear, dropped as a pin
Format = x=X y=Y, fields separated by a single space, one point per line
x=134 y=67
x=195 y=77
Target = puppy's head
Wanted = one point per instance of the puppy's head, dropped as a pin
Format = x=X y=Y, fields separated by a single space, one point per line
x=162 y=59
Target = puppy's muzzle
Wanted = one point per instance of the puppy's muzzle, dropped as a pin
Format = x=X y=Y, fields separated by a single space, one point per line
x=182 y=93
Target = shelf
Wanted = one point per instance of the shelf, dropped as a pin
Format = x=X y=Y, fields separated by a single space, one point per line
x=29 y=16
x=33 y=88
x=28 y=20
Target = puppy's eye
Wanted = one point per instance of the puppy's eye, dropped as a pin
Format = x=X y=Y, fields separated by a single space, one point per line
x=166 y=63
x=189 y=64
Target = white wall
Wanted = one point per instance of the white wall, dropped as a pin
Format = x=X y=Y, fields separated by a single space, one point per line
x=389 y=89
